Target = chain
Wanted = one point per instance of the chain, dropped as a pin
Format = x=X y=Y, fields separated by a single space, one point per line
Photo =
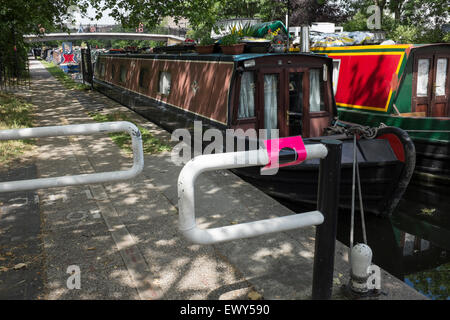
x=355 y=129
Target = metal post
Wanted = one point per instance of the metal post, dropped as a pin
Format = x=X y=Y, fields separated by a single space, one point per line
x=327 y=203
x=83 y=58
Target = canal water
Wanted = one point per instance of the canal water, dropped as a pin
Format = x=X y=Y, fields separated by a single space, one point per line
x=414 y=244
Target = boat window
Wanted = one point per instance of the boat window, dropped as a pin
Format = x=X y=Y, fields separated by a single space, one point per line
x=143 y=77
x=423 y=69
x=336 y=66
x=316 y=91
x=113 y=71
x=164 y=82
x=295 y=92
x=102 y=69
x=247 y=95
x=123 y=73
x=97 y=68
x=441 y=76
x=270 y=102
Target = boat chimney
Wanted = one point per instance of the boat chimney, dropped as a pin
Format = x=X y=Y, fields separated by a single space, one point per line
x=305 y=38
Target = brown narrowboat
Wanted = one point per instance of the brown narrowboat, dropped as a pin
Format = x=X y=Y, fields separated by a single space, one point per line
x=291 y=92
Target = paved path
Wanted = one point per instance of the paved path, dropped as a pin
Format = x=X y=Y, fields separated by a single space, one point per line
x=20 y=244
x=123 y=236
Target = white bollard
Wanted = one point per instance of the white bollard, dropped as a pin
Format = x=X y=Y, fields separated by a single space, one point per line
x=361 y=260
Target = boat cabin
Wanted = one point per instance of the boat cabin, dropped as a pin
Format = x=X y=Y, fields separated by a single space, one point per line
x=290 y=92
x=407 y=86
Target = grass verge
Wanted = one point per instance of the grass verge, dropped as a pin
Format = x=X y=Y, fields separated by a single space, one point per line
x=150 y=144
x=14 y=113
x=63 y=77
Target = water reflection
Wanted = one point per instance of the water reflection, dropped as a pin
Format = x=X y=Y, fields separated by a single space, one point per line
x=422 y=228
x=414 y=244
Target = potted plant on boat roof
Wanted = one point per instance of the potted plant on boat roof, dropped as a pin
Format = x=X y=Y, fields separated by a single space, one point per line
x=276 y=39
x=230 y=43
x=206 y=45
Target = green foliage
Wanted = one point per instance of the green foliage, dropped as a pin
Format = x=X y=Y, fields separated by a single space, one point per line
x=19 y=17
x=357 y=23
x=14 y=113
x=404 y=34
x=230 y=39
x=207 y=41
x=247 y=30
x=150 y=144
x=412 y=21
x=446 y=38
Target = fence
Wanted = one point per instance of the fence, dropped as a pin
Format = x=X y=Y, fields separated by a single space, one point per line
x=13 y=74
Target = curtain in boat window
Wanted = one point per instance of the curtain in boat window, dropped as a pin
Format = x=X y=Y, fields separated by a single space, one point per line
x=164 y=82
x=316 y=102
x=441 y=77
x=422 y=77
x=247 y=96
x=336 y=67
x=270 y=102
x=123 y=74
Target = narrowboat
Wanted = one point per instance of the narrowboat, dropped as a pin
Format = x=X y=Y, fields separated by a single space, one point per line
x=291 y=92
x=405 y=86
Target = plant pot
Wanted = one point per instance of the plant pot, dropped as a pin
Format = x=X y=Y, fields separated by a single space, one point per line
x=233 y=49
x=205 y=49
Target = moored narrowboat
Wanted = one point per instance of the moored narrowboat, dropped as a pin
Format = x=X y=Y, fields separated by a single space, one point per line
x=291 y=92
x=405 y=86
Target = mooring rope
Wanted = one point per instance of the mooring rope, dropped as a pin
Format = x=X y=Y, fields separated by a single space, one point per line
x=356 y=176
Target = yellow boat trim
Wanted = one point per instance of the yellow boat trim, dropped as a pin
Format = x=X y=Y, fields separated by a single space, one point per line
x=398 y=46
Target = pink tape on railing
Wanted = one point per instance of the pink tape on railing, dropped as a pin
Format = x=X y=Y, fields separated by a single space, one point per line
x=273 y=149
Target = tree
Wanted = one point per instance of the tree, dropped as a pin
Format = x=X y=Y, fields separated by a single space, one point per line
x=305 y=12
x=416 y=21
x=21 y=17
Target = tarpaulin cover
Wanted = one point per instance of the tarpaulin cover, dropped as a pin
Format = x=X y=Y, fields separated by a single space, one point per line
x=261 y=29
x=340 y=39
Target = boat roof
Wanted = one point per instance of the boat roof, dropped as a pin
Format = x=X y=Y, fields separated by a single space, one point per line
x=376 y=48
x=212 y=56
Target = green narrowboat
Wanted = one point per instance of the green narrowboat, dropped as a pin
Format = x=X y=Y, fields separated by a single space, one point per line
x=405 y=86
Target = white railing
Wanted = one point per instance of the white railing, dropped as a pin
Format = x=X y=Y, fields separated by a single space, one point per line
x=70 y=130
x=203 y=163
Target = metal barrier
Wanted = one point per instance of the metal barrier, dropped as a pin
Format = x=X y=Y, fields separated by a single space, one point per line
x=329 y=151
x=70 y=130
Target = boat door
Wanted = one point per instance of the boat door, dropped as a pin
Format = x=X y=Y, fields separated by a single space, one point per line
x=272 y=98
x=297 y=94
x=431 y=89
x=294 y=100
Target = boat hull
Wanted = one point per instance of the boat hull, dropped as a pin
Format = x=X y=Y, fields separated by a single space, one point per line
x=384 y=177
x=431 y=137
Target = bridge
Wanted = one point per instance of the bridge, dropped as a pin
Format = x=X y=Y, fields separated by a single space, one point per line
x=169 y=39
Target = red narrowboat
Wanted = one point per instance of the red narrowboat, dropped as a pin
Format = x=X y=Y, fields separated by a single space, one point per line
x=405 y=86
